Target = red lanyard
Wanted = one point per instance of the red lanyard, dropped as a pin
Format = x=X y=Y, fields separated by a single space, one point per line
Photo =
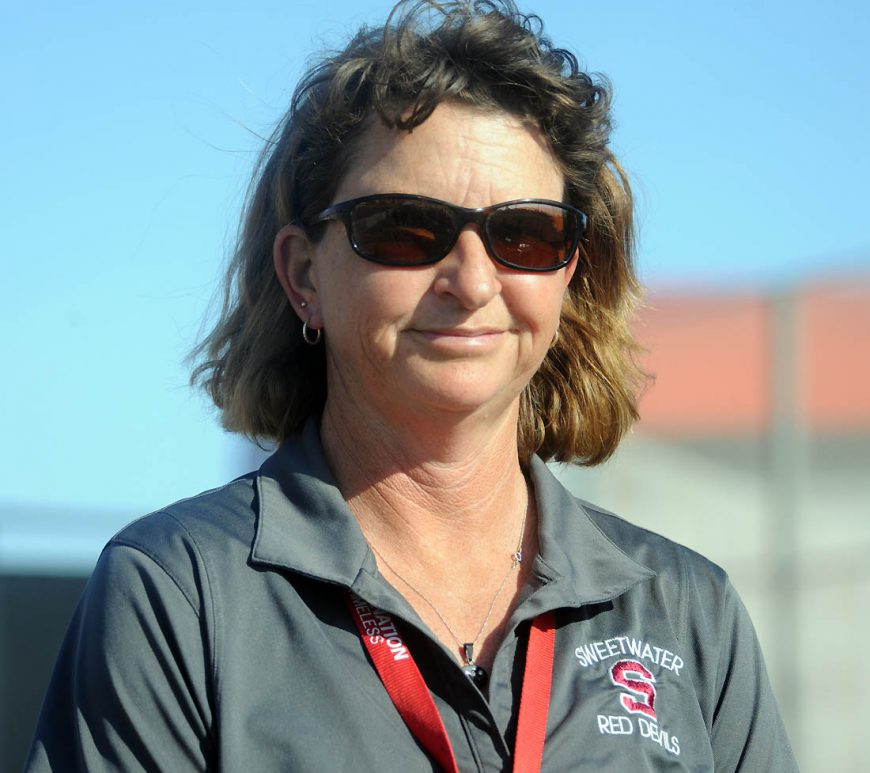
x=409 y=693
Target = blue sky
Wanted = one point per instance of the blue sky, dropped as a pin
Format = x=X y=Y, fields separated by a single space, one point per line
x=129 y=129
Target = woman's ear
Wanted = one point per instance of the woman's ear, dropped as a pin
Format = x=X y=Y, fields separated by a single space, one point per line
x=572 y=267
x=292 y=253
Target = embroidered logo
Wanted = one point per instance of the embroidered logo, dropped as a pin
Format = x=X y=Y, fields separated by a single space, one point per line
x=636 y=686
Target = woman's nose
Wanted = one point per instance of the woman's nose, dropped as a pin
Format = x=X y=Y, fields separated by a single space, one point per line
x=468 y=273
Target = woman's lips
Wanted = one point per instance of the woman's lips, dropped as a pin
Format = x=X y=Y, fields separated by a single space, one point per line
x=462 y=337
x=464 y=332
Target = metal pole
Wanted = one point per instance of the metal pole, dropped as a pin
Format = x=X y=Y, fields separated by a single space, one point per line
x=788 y=465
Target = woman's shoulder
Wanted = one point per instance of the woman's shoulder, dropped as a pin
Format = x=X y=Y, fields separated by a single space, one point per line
x=656 y=551
x=690 y=585
x=583 y=534
x=218 y=515
x=190 y=539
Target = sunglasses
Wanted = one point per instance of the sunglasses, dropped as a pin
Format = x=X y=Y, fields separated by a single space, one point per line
x=399 y=229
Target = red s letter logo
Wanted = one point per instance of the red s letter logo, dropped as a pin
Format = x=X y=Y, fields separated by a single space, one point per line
x=635 y=678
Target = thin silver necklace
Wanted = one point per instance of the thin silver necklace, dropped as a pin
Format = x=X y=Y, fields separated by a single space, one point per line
x=473 y=671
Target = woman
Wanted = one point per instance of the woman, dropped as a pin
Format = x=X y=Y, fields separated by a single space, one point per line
x=430 y=297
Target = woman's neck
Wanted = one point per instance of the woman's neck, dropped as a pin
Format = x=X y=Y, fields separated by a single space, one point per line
x=422 y=484
x=445 y=510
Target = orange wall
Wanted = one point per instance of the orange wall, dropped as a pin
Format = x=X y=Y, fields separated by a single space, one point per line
x=710 y=355
x=836 y=330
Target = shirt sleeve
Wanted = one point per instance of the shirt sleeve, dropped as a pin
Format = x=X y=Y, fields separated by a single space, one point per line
x=747 y=733
x=130 y=690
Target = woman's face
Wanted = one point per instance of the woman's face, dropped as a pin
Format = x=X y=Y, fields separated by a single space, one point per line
x=463 y=335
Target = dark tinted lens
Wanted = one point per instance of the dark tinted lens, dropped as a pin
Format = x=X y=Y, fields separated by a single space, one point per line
x=401 y=232
x=536 y=236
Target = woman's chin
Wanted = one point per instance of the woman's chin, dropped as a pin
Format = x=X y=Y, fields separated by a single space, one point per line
x=460 y=396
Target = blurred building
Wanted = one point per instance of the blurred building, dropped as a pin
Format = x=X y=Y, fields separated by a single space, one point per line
x=754 y=449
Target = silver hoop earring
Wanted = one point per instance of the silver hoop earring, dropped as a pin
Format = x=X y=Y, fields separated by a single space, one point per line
x=311 y=340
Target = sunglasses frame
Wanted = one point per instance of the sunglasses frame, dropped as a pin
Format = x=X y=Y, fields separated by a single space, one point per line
x=463 y=216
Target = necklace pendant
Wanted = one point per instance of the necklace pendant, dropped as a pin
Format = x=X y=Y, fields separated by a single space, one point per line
x=474 y=672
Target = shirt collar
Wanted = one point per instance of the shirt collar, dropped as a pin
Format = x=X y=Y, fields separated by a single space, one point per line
x=577 y=562
x=304 y=525
x=303 y=522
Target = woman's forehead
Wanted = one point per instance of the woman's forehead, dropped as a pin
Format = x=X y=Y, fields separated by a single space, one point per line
x=480 y=156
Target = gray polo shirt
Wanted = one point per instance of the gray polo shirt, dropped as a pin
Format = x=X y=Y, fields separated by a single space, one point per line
x=214 y=635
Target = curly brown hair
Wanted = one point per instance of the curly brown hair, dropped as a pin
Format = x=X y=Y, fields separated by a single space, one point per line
x=483 y=53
